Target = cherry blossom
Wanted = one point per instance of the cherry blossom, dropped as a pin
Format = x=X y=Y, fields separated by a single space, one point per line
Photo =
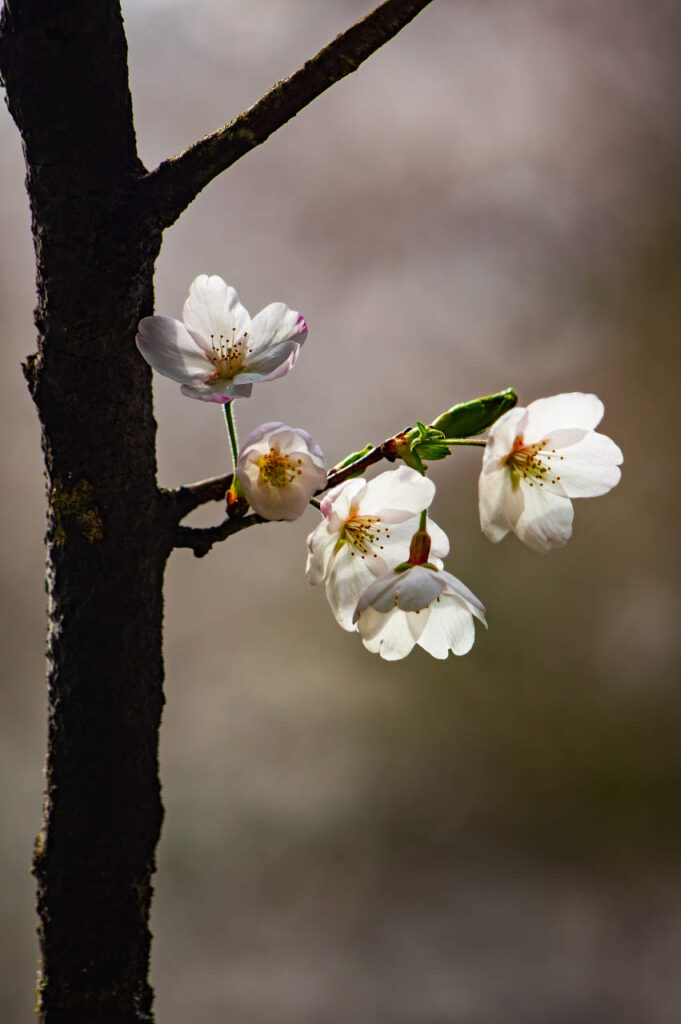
x=366 y=530
x=419 y=605
x=536 y=460
x=279 y=469
x=218 y=352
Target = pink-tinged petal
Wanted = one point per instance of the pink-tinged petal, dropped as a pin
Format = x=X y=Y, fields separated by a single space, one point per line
x=449 y=628
x=589 y=468
x=213 y=309
x=547 y=415
x=338 y=502
x=349 y=576
x=492 y=490
x=271 y=364
x=402 y=491
x=546 y=519
x=274 y=327
x=321 y=544
x=166 y=345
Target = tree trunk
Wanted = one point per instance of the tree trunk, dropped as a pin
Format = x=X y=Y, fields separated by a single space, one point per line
x=65 y=71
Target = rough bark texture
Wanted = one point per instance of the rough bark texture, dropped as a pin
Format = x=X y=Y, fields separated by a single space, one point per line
x=65 y=72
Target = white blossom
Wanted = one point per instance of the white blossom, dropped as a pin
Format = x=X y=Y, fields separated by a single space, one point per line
x=536 y=460
x=419 y=605
x=367 y=528
x=279 y=469
x=218 y=352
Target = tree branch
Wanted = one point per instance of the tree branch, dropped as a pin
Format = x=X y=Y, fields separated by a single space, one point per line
x=201 y=539
x=169 y=189
x=185 y=499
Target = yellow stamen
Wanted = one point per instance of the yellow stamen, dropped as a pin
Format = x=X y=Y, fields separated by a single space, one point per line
x=525 y=462
x=363 y=533
x=278 y=470
x=228 y=356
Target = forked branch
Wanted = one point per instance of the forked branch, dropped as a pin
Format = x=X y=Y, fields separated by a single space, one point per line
x=169 y=189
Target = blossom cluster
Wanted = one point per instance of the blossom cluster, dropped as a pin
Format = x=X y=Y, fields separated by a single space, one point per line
x=375 y=550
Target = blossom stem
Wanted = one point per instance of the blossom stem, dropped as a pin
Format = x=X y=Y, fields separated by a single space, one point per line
x=466 y=440
x=231 y=431
x=316 y=503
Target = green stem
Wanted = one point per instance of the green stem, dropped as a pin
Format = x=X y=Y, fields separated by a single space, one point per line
x=231 y=431
x=423 y=521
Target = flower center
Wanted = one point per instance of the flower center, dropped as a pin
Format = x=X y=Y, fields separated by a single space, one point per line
x=228 y=355
x=525 y=462
x=363 y=533
x=278 y=470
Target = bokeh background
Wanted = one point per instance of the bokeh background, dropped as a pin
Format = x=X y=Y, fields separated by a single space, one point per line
x=492 y=200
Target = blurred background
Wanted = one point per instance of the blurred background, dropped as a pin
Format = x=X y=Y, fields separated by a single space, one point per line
x=492 y=200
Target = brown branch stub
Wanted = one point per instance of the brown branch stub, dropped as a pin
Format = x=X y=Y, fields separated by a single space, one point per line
x=169 y=189
x=185 y=499
x=202 y=539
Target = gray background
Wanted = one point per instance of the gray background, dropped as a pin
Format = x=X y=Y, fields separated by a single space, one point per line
x=492 y=200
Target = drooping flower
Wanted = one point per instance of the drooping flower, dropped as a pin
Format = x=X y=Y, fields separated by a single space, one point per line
x=279 y=469
x=536 y=460
x=419 y=605
x=218 y=352
x=367 y=529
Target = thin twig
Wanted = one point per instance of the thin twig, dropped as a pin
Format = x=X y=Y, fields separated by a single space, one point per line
x=169 y=189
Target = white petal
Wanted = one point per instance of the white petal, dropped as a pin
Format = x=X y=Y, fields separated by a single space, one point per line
x=213 y=308
x=562 y=411
x=411 y=590
x=394 y=544
x=449 y=628
x=414 y=590
x=222 y=391
x=276 y=328
x=320 y=547
x=400 y=490
x=392 y=636
x=439 y=542
x=502 y=435
x=458 y=590
x=546 y=519
x=492 y=487
x=166 y=345
x=589 y=468
x=349 y=576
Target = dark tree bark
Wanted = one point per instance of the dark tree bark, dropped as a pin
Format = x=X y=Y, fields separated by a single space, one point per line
x=65 y=71
x=97 y=219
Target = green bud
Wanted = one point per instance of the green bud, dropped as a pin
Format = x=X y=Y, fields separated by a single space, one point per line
x=352 y=457
x=471 y=418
